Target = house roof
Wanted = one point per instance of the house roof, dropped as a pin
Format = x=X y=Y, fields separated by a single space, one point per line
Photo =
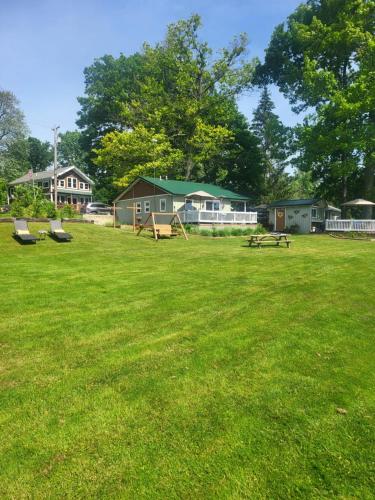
x=184 y=188
x=48 y=174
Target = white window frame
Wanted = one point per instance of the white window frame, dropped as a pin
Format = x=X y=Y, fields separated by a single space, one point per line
x=87 y=187
x=138 y=207
x=61 y=183
x=46 y=184
x=81 y=185
x=314 y=211
x=212 y=201
x=72 y=183
x=147 y=206
x=164 y=201
x=237 y=201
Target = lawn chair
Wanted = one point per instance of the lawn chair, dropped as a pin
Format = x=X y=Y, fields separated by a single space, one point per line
x=57 y=231
x=22 y=233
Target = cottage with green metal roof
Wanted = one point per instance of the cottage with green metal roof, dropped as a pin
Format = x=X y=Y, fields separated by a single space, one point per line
x=195 y=202
x=302 y=215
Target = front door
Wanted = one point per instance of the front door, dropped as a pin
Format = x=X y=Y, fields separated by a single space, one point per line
x=280 y=219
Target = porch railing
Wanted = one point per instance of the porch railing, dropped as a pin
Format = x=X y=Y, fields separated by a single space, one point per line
x=365 y=226
x=214 y=217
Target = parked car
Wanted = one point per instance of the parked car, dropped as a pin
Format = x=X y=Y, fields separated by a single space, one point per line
x=96 y=208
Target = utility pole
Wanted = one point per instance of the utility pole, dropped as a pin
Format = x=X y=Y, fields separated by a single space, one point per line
x=55 y=140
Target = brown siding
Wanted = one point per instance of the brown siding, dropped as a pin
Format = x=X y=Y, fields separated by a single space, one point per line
x=140 y=189
x=73 y=175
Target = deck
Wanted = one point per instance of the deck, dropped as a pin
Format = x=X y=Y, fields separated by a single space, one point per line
x=217 y=217
x=355 y=225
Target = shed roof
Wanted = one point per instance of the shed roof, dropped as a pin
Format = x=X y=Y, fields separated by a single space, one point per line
x=293 y=203
x=183 y=188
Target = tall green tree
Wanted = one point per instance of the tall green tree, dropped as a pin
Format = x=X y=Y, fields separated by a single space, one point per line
x=70 y=150
x=179 y=90
x=109 y=84
x=322 y=59
x=13 y=130
x=12 y=122
x=40 y=154
x=275 y=142
x=14 y=160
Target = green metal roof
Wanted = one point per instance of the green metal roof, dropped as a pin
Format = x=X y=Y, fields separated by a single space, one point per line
x=293 y=203
x=183 y=188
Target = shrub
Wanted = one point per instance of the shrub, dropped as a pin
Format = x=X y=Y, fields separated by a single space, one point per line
x=260 y=229
x=29 y=201
x=236 y=231
x=293 y=229
x=67 y=212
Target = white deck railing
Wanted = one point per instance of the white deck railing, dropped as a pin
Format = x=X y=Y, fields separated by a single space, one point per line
x=365 y=226
x=197 y=216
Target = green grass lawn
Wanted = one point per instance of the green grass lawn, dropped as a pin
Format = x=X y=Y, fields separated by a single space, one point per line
x=198 y=369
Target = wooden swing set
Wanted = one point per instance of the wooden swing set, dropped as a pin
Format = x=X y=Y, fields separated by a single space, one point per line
x=160 y=230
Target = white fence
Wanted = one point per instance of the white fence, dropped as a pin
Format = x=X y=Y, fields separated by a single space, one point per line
x=197 y=216
x=364 y=226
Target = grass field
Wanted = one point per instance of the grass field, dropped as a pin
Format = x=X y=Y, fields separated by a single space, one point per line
x=199 y=369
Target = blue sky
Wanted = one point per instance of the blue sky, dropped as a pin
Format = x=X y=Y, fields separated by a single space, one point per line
x=46 y=44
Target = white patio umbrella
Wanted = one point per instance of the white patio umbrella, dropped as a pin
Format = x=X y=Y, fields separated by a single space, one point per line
x=359 y=202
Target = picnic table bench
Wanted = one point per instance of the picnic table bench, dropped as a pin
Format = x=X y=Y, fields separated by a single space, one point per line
x=270 y=239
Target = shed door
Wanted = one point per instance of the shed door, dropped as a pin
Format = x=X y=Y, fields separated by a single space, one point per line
x=280 y=219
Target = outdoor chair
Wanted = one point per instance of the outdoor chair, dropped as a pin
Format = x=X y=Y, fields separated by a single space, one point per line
x=57 y=231
x=22 y=233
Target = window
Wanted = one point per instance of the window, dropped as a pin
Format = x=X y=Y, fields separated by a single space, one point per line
x=72 y=182
x=213 y=206
x=238 y=206
x=86 y=186
x=82 y=200
x=138 y=207
x=146 y=206
x=45 y=184
x=314 y=213
x=81 y=185
x=188 y=204
x=61 y=183
x=163 y=205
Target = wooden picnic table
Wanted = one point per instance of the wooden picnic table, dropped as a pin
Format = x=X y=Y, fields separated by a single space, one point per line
x=269 y=239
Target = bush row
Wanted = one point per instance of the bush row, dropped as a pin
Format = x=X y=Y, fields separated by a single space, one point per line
x=228 y=231
x=42 y=208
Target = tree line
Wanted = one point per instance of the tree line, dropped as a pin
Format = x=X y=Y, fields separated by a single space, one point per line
x=171 y=109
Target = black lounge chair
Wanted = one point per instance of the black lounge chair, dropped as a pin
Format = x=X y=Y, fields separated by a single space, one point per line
x=22 y=233
x=57 y=231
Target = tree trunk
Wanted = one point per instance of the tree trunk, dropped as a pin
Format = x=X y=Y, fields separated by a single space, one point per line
x=189 y=167
x=345 y=188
